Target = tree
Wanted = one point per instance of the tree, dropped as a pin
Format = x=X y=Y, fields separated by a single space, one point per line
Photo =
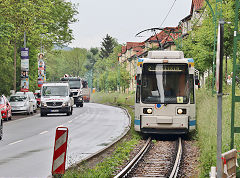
x=108 y=73
x=61 y=62
x=108 y=45
x=49 y=19
x=199 y=43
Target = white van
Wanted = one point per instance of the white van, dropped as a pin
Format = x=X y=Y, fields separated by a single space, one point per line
x=56 y=98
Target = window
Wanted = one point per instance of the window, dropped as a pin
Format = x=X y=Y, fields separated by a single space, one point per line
x=165 y=83
x=55 y=91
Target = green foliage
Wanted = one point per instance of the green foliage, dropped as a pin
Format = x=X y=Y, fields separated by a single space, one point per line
x=108 y=45
x=42 y=20
x=207 y=127
x=109 y=74
x=199 y=44
x=66 y=62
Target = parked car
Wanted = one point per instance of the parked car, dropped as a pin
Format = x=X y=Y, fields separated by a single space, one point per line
x=5 y=107
x=21 y=104
x=32 y=99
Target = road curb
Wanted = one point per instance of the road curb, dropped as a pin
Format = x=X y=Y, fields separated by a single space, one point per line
x=111 y=144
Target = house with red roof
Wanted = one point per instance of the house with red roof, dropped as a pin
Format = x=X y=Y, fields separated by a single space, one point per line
x=194 y=18
x=165 y=39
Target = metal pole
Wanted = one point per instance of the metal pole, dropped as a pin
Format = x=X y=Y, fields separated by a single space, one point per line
x=25 y=40
x=219 y=110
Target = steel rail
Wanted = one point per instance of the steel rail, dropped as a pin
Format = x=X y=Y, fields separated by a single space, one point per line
x=175 y=169
x=134 y=160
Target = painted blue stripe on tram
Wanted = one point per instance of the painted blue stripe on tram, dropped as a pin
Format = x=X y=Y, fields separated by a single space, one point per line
x=136 y=122
x=192 y=123
x=190 y=60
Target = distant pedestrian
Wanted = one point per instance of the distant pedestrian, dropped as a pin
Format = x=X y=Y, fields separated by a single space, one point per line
x=229 y=80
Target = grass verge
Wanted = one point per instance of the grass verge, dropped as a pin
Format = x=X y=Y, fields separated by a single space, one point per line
x=207 y=128
x=107 y=167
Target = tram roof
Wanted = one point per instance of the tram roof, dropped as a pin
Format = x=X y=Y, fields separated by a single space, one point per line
x=165 y=55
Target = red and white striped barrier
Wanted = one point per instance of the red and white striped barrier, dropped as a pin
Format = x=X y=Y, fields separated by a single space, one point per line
x=60 y=151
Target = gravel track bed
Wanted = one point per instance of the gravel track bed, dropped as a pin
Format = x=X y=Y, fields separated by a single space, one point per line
x=157 y=161
x=190 y=162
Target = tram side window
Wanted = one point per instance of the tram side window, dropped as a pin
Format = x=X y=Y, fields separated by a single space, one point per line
x=191 y=87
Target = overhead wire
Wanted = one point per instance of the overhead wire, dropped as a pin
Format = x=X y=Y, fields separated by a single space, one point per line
x=168 y=12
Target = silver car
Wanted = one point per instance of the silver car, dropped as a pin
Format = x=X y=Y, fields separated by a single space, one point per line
x=32 y=99
x=21 y=104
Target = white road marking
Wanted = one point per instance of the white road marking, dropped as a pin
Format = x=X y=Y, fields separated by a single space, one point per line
x=15 y=142
x=70 y=121
x=60 y=126
x=43 y=132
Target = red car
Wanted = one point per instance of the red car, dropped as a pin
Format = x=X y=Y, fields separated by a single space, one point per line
x=5 y=108
x=38 y=97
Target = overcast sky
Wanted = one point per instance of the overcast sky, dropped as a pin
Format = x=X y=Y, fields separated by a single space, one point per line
x=122 y=19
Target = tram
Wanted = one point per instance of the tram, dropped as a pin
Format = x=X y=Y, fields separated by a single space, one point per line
x=165 y=96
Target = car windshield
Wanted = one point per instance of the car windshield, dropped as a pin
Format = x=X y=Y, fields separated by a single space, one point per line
x=164 y=83
x=1 y=100
x=17 y=98
x=55 y=91
x=75 y=84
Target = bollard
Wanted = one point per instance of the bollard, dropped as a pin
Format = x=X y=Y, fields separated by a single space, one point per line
x=213 y=172
x=60 y=151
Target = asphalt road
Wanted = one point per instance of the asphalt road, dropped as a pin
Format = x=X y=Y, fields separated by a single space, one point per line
x=27 y=146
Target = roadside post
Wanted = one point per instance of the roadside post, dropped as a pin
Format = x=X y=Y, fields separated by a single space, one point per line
x=60 y=151
x=219 y=70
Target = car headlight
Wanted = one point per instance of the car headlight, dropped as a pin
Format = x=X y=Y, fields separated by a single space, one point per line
x=65 y=104
x=43 y=104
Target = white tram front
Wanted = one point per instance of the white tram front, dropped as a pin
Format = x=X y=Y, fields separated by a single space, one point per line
x=165 y=97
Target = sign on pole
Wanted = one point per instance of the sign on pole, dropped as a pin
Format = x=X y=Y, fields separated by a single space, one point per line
x=41 y=70
x=24 y=69
x=60 y=151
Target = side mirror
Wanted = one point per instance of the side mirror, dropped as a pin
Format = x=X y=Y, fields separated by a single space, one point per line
x=71 y=94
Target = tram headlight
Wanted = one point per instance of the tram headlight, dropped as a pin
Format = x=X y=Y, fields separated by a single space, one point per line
x=147 y=110
x=179 y=111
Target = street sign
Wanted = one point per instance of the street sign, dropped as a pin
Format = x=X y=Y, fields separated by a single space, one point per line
x=24 y=69
x=41 y=70
x=60 y=151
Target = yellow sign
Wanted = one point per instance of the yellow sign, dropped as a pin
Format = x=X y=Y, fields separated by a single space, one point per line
x=179 y=99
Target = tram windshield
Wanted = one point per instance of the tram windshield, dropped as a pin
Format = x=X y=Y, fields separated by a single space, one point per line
x=165 y=83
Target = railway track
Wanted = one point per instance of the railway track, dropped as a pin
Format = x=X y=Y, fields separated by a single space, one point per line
x=155 y=159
